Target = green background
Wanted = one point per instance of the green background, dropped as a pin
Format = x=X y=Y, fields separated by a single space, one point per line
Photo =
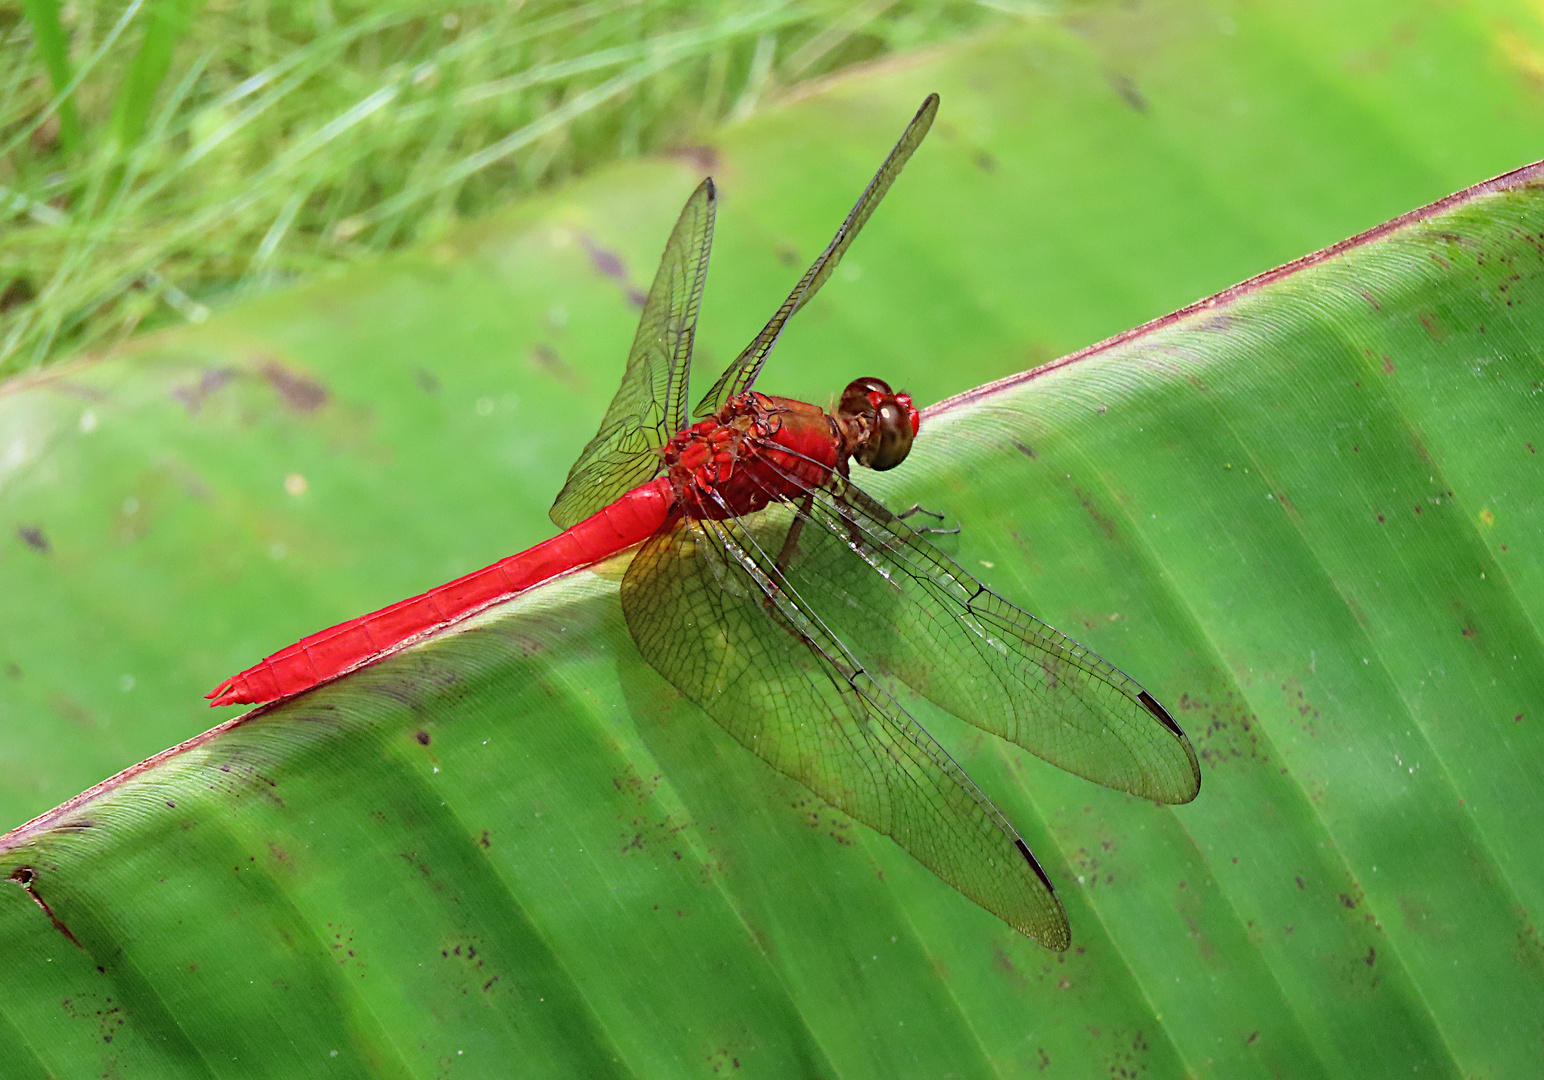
x=1302 y=518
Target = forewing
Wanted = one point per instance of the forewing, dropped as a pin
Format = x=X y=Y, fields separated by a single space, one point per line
x=650 y=405
x=911 y=612
x=739 y=376
x=709 y=612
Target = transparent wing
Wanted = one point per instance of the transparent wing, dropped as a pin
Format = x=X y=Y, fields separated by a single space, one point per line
x=708 y=611
x=739 y=376
x=911 y=612
x=650 y=405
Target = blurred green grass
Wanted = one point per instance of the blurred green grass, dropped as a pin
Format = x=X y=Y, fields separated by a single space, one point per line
x=161 y=156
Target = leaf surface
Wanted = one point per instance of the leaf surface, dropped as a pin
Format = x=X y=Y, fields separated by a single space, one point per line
x=1303 y=514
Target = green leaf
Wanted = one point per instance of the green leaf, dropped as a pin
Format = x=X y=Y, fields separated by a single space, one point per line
x=1302 y=514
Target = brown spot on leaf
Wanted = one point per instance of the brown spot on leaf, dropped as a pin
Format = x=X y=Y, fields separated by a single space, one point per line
x=1221 y=731
x=1128 y=92
x=610 y=264
x=548 y=360
x=701 y=157
x=1106 y=525
x=211 y=382
x=26 y=877
x=73 y=711
x=297 y=391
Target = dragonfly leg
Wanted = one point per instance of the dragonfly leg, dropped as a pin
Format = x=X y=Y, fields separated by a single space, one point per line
x=791 y=541
x=918 y=508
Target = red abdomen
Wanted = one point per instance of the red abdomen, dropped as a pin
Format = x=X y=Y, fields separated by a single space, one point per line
x=325 y=655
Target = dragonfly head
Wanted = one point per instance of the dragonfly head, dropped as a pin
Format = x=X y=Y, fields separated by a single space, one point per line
x=879 y=424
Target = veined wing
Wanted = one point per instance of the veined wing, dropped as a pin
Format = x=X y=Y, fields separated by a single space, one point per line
x=709 y=612
x=739 y=376
x=909 y=610
x=650 y=405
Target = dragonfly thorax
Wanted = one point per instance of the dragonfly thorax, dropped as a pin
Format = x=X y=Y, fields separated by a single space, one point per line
x=757 y=448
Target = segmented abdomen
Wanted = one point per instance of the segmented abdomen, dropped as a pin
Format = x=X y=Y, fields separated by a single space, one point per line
x=329 y=653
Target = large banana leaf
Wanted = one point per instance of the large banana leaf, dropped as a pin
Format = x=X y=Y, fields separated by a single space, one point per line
x=1299 y=513
x=1088 y=174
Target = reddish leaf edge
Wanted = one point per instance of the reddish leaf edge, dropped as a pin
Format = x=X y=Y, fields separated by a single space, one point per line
x=1527 y=176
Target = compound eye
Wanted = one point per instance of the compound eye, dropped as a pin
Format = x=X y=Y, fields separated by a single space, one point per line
x=859 y=399
x=890 y=439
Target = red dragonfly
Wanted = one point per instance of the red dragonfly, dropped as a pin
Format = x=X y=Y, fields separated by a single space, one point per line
x=768 y=586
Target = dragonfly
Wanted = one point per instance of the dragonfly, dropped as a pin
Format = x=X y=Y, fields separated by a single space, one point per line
x=786 y=603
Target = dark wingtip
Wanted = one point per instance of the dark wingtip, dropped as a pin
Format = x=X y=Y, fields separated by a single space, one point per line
x=1057 y=938
x=1160 y=712
x=1034 y=865
x=1195 y=766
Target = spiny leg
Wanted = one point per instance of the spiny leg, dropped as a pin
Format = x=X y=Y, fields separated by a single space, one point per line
x=918 y=508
